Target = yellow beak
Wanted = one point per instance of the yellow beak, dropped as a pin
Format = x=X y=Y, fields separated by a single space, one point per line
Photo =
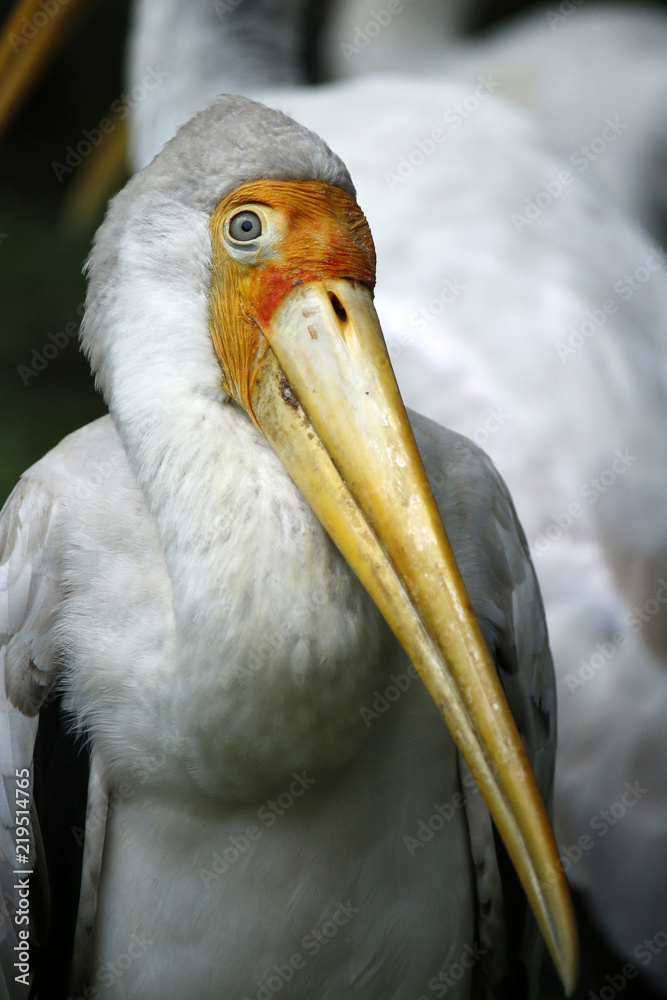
x=326 y=398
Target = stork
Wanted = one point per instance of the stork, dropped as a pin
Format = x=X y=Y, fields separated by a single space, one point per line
x=211 y=577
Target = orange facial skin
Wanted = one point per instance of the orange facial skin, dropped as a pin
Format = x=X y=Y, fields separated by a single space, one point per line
x=317 y=231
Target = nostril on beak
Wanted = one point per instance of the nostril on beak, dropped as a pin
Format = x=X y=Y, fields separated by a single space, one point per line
x=338 y=307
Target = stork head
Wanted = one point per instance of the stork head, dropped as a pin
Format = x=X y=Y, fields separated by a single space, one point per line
x=252 y=272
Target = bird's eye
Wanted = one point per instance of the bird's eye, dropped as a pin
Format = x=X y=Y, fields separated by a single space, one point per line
x=245 y=226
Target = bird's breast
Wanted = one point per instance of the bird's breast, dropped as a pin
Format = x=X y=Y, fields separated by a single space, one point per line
x=220 y=633
x=275 y=765
x=357 y=883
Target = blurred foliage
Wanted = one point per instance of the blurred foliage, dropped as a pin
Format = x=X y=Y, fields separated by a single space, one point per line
x=42 y=396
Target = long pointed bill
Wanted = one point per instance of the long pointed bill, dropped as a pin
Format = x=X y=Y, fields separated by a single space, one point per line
x=325 y=396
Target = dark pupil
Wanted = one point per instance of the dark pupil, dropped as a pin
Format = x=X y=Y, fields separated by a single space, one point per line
x=245 y=226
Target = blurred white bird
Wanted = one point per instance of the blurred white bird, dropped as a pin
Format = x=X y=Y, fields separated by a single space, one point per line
x=594 y=77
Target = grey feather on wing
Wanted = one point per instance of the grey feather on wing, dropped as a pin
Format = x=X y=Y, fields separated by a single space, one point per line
x=494 y=560
x=29 y=596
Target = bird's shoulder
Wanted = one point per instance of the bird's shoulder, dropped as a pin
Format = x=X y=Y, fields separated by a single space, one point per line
x=493 y=556
x=494 y=559
x=33 y=583
x=85 y=476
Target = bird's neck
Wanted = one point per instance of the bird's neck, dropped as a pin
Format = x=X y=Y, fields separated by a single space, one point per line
x=241 y=44
x=277 y=645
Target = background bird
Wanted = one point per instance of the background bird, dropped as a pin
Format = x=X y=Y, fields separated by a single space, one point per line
x=593 y=76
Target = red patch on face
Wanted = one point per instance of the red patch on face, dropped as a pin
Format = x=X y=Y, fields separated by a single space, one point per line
x=327 y=237
x=272 y=284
